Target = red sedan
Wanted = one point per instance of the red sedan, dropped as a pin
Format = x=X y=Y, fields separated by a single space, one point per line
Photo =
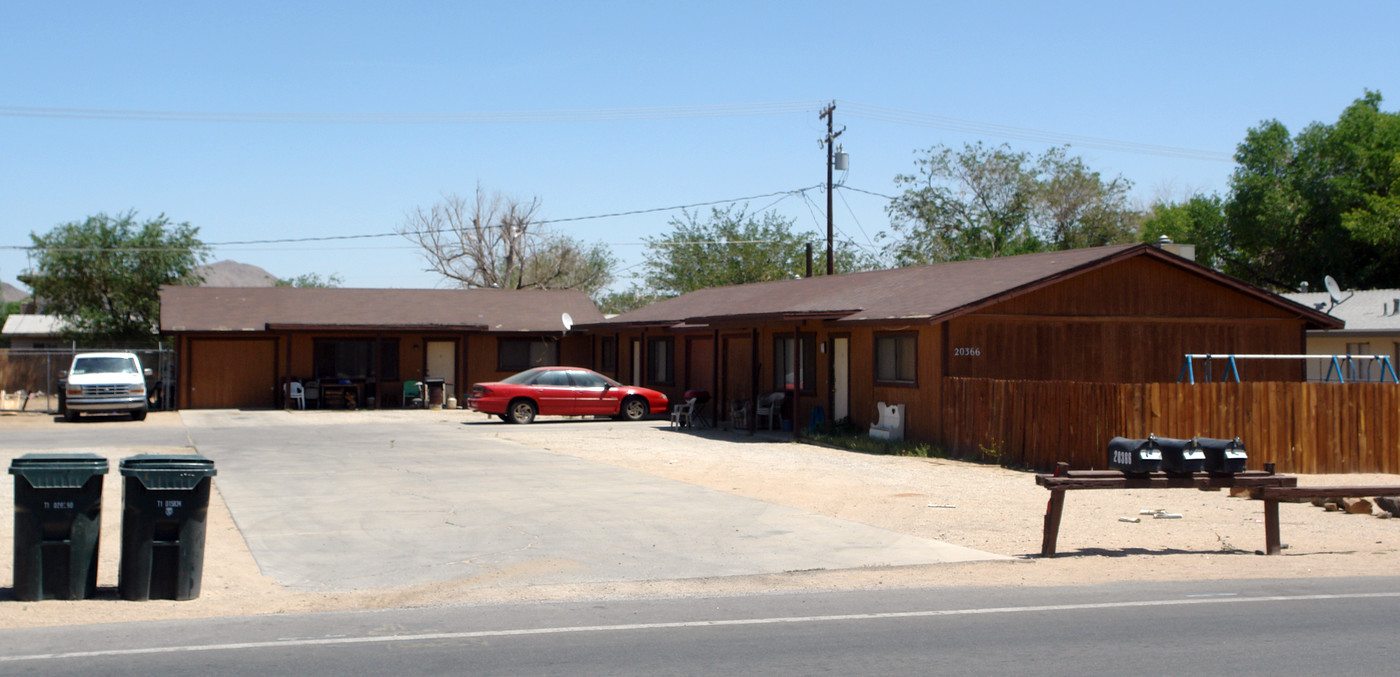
x=563 y=391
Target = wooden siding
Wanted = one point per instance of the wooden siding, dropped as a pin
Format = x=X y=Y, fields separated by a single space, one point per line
x=1301 y=427
x=232 y=374
x=1139 y=287
x=1128 y=350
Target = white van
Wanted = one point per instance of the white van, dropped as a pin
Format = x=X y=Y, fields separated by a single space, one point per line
x=105 y=383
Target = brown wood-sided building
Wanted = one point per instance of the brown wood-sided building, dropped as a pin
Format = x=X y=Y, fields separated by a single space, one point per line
x=1126 y=313
x=239 y=347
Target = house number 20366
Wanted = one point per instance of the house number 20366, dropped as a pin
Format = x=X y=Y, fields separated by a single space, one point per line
x=967 y=352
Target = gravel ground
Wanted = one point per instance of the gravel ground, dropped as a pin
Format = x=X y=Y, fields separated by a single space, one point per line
x=977 y=506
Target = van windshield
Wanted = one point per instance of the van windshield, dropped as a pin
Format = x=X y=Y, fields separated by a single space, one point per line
x=105 y=365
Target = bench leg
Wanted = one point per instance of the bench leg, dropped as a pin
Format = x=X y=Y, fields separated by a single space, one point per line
x=1053 y=510
x=1271 y=537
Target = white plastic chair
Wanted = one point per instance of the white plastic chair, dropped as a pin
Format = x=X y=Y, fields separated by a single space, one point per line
x=683 y=415
x=890 y=425
x=738 y=414
x=770 y=406
x=296 y=391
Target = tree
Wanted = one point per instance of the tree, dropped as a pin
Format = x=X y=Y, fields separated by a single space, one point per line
x=495 y=242
x=1200 y=221
x=104 y=274
x=311 y=280
x=1318 y=203
x=985 y=202
x=964 y=205
x=731 y=247
x=1076 y=208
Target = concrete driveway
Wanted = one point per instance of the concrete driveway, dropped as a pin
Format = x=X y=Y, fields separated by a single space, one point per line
x=335 y=501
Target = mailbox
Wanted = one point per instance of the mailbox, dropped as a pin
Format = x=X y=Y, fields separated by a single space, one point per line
x=1222 y=456
x=1134 y=456
x=1181 y=456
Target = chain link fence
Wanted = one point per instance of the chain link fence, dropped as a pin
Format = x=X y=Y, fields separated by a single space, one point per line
x=31 y=380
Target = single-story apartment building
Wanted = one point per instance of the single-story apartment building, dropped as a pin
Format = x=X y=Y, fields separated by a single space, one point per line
x=240 y=347
x=843 y=343
x=1372 y=320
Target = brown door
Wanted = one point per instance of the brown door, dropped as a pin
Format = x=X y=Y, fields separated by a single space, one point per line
x=232 y=374
x=737 y=363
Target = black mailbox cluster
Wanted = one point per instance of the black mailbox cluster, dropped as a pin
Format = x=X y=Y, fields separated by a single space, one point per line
x=1140 y=456
x=58 y=509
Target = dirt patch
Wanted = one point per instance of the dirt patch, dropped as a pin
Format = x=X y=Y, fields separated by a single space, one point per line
x=978 y=506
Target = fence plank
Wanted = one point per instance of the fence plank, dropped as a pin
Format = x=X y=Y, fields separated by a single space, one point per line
x=1301 y=427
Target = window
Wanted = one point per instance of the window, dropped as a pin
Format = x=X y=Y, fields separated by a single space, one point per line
x=389 y=359
x=787 y=373
x=518 y=354
x=660 y=361
x=553 y=378
x=588 y=379
x=896 y=358
x=607 y=358
x=343 y=358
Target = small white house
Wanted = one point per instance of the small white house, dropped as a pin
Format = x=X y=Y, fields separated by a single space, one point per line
x=34 y=332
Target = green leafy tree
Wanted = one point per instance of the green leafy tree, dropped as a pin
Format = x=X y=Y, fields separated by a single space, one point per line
x=618 y=302
x=1200 y=221
x=1318 y=203
x=731 y=247
x=1075 y=207
x=104 y=274
x=982 y=202
x=311 y=280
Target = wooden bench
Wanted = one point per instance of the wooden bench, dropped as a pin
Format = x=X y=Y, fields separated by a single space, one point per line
x=1065 y=479
x=1272 y=496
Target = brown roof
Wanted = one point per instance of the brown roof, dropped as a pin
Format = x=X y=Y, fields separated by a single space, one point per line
x=188 y=309
x=914 y=294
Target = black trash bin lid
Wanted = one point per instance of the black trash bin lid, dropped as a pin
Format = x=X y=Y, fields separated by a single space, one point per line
x=168 y=471
x=58 y=471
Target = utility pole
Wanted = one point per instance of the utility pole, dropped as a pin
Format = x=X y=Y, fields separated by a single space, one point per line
x=828 y=114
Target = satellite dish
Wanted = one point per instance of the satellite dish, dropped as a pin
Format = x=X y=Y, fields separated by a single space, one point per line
x=1335 y=291
x=1332 y=289
x=568 y=321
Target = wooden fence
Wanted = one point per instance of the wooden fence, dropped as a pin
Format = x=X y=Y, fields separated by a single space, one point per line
x=1301 y=427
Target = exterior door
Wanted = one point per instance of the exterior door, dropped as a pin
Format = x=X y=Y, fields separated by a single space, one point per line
x=840 y=378
x=227 y=374
x=442 y=363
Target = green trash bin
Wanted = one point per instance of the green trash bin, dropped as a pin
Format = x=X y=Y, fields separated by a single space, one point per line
x=58 y=516
x=165 y=506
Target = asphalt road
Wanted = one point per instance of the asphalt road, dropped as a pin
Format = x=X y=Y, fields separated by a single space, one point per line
x=1330 y=626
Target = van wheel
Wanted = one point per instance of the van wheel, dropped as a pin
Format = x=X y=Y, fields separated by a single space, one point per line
x=69 y=415
x=138 y=415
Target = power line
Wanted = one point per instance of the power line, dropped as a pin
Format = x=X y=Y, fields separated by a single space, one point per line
x=883 y=114
x=336 y=238
x=491 y=117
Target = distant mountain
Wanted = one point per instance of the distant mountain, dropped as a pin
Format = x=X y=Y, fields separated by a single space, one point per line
x=235 y=274
x=10 y=293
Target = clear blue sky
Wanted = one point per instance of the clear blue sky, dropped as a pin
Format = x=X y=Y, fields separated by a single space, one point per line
x=906 y=76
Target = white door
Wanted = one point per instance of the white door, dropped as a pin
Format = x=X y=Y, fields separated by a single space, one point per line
x=841 y=378
x=442 y=363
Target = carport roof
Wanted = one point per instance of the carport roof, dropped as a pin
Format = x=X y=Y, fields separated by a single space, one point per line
x=913 y=295
x=244 y=309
